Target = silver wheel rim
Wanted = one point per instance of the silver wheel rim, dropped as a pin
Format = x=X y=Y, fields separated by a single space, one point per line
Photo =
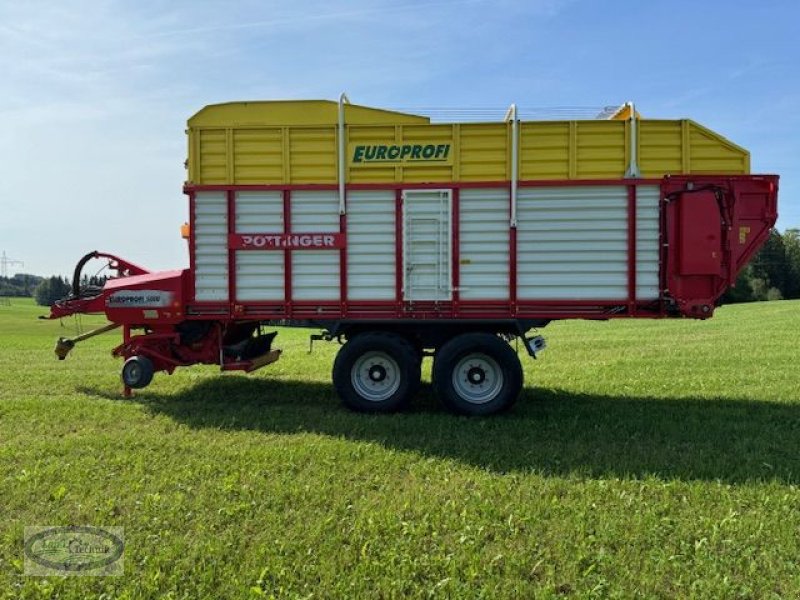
x=478 y=378
x=134 y=373
x=375 y=376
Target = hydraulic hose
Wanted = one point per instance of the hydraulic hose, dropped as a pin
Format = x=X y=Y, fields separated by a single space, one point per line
x=76 y=277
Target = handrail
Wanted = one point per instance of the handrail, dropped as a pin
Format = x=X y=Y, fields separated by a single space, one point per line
x=633 y=166
x=342 y=206
x=511 y=114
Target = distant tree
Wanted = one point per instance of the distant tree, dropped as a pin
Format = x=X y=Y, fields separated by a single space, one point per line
x=50 y=290
x=93 y=281
x=769 y=264
x=742 y=291
x=758 y=288
x=42 y=293
x=773 y=273
x=774 y=294
x=791 y=244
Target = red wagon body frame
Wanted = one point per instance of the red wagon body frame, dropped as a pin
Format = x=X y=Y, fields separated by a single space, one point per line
x=697 y=295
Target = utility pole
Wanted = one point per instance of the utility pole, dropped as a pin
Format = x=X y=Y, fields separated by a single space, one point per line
x=6 y=262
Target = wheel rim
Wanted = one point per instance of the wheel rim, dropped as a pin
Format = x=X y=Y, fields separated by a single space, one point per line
x=133 y=372
x=478 y=378
x=375 y=376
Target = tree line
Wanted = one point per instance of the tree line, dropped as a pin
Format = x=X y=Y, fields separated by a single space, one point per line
x=773 y=273
x=20 y=285
x=45 y=290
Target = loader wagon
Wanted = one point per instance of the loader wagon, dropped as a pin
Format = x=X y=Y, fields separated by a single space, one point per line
x=402 y=238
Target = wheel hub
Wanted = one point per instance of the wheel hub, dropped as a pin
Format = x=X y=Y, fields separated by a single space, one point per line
x=375 y=376
x=478 y=378
x=476 y=375
x=377 y=373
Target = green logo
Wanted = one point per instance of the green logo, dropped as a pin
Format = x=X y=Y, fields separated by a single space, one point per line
x=400 y=153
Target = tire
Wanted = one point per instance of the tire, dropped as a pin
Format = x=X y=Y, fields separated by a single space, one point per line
x=376 y=372
x=137 y=372
x=477 y=374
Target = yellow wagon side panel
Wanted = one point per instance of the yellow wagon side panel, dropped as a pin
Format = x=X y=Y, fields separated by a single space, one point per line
x=312 y=155
x=602 y=149
x=287 y=142
x=545 y=150
x=483 y=152
x=212 y=156
x=673 y=147
x=369 y=135
x=440 y=169
x=573 y=149
x=258 y=156
x=712 y=153
x=661 y=147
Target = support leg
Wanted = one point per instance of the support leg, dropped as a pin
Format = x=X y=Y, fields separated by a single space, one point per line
x=127 y=392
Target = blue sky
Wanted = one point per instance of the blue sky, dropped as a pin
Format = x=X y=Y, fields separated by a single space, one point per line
x=94 y=96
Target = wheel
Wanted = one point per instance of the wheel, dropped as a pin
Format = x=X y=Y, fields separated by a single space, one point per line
x=376 y=372
x=137 y=372
x=477 y=374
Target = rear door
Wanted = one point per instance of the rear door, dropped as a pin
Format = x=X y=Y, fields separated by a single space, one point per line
x=700 y=235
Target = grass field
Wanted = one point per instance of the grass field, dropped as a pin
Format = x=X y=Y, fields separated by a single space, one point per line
x=652 y=459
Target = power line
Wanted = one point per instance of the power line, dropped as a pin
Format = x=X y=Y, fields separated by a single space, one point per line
x=6 y=262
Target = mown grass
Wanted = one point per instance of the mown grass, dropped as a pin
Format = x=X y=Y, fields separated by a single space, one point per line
x=653 y=459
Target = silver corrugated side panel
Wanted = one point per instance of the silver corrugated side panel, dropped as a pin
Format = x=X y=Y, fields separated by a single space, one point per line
x=259 y=273
x=647 y=235
x=572 y=243
x=484 y=244
x=315 y=273
x=211 y=246
x=371 y=245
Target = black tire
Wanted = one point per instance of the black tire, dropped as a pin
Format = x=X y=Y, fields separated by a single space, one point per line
x=477 y=374
x=137 y=372
x=376 y=372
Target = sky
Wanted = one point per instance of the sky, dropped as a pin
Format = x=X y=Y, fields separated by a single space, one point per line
x=94 y=96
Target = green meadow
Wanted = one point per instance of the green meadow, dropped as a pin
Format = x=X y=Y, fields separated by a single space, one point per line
x=644 y=459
